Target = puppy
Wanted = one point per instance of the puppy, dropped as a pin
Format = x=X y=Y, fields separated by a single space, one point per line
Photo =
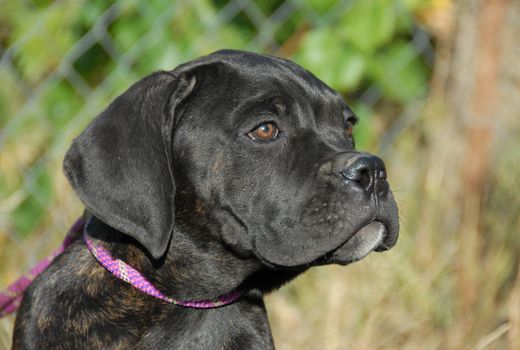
x=227 y=176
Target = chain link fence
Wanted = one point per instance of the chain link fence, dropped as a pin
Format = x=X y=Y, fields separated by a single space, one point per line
x=61 y=63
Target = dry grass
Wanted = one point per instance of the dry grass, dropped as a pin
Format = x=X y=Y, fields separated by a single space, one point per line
x=434 y=290
x=414 y=296
x=451 y=282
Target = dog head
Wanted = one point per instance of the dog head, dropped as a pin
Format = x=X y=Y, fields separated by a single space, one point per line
x=250 y=150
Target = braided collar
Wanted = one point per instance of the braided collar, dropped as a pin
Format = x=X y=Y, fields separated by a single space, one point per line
x=127 y=273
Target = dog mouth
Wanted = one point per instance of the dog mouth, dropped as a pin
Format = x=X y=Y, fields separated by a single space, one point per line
x=333 y=232
x=374 y=236
x=367 y=239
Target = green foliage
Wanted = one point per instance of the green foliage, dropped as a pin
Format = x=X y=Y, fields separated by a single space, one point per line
x=365 y=135
x=31 y=210
x=364 y=44
x=60 y=102
x=367 y=48
x=369 y=24
x=322 y=7
x=66 y=60
x=55 y=35
x=335 y=61
x=399 y=73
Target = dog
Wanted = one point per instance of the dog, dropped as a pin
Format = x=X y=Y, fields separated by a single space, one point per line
x=233 y=172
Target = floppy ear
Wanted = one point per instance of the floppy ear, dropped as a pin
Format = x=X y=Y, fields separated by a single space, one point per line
x=121 y=164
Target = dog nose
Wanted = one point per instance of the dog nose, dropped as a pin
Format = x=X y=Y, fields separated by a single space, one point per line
x=369 y=172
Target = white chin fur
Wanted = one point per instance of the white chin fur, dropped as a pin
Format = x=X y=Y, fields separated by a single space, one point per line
x=365 y=240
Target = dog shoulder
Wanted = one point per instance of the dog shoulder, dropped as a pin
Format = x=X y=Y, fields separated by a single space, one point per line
x=72 y=304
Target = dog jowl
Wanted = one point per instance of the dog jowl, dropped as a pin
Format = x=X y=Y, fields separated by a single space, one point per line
x=235 y=171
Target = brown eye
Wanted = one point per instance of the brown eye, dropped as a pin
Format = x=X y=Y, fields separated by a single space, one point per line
x=264 y=132
x=349 y=127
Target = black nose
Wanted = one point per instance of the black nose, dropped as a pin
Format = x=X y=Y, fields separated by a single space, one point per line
x=369 y=172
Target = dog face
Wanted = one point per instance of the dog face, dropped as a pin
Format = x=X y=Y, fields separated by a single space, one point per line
x=252 y=150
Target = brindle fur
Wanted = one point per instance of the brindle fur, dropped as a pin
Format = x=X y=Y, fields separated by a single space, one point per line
x=176 y=188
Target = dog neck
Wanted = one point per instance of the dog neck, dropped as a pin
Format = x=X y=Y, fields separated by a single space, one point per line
x=194 y=270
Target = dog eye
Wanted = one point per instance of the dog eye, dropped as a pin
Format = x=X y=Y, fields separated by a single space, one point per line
x=348 y=128
x=264 y=132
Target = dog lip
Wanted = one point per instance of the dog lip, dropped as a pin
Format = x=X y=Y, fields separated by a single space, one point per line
x=374 y=235
x=367 y=239
x=370 y=237
x=375 y=232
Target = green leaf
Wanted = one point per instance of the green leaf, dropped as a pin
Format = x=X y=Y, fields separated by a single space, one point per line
x=368 y=24
x=399 y=72
x=321 y=7
x=350 y=69
x=11 y=95
x=91 y=12
x=61 y=102
x=129 y=27
x=28 y=213
x=363 y=132
x=417 y=4
x=43 y=52
x=332 y=59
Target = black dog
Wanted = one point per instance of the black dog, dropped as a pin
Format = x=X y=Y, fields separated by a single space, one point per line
x=235 y=170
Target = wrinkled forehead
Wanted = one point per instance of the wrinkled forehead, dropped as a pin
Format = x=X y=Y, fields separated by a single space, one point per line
x=270 y=83
x=261 y=68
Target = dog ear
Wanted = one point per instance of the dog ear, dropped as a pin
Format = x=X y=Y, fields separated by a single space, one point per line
x=121 y=164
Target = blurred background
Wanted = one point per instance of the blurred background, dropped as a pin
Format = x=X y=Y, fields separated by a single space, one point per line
x=436 y=84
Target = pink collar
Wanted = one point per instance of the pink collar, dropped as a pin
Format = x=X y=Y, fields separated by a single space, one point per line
x=127 y=273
